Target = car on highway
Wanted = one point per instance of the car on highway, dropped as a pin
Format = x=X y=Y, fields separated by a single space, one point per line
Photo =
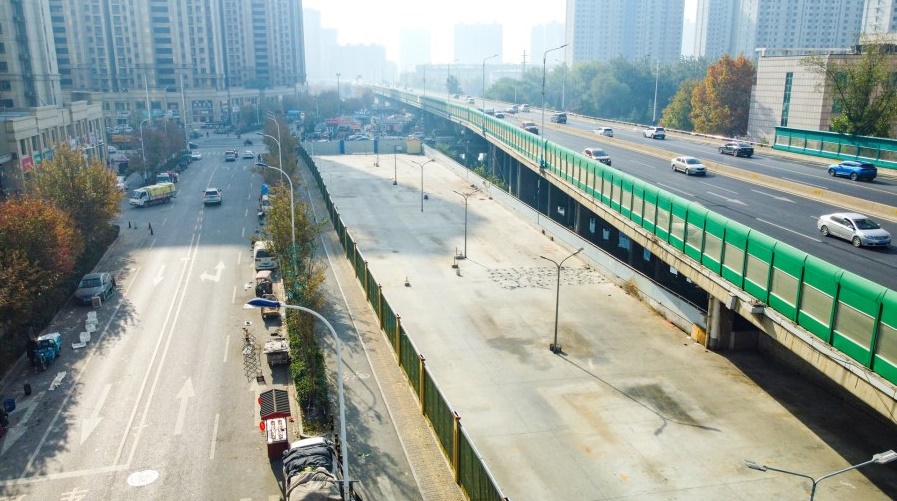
x=856 y=171
x=230 y=156
x=499 y=114
x=196 y=156
x=248 y=154
x=737 y=149
x=471 y=100
x=605 y=131
x=855 y=228
x=560 y=118
x=489 y=111
x=100 y=284
x=530 y=127
x=191 y=145
x=523 y=108
x=688 y=165
x=597 y=154
x=211 y=196
x=655 y=133
x=511 y=110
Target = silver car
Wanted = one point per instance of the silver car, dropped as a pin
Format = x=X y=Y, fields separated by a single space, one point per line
x=689 y=165
x=95 y=284
x=855 y=228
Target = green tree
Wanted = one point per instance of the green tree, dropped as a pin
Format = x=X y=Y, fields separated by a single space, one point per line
x=38 y=251
x=721 y=101
x=85 y=190
x=677 y=114
x=863 y=89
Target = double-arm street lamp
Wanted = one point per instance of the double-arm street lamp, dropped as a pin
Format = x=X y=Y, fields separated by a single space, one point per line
x=143 y=147
x=292 y=209
x=555 y=347
x=466 y=196
x=344 y=445
x=544 y=60
x=422 y=180
x=339 y=98
x=880 y=458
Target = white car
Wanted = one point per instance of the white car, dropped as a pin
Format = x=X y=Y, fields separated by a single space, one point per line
x=604 y=131
x=655 y=133
x=196 y=156
x=121 y=183
x=689 y=165
x=597 y=154
x=855 y=228
x=248 y=154
x=211 y=196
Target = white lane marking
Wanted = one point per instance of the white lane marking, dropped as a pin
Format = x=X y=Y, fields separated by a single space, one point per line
x=16 y=431
x=90 y=424
x=214 y=436
x=63 y=475
x=226 y=347
x=184 y=396
x=159 y=276
x=719 y=188
x=783 y=199
x=788 y=230
x=728 y=199
x=673 y=188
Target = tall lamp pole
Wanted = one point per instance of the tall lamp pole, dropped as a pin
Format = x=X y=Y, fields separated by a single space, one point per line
x=484 y=78
x=880 y=458
x=270 y=116
x=555 y=347
x=339 y=98
x=143 y=147
x=656 y=81
x=292 y=209
x=344 y=446
x=448 y=76
x=544 y=59
x=466 y=196
x=422 y=180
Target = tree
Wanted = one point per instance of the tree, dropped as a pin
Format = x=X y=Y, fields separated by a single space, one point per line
x=677 y=114
x=863 y=89
x=38 y=252
x=88 y=192
x=721 y=101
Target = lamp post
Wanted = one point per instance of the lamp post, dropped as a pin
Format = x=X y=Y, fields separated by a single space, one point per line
x=554 y=347
x=292 y=208
x=466 y=196
x=344 y=446
x=279 y=156
x=270 y=116
x=484 y=81
x=656 y=81
x=339 y=98
x=422 y=180
x=448 y=76
x=544 y=59
x=143 y=147
x=880 y=458
x=395 y=165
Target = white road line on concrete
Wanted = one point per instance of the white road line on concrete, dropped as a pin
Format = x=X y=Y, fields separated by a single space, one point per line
x=214 y=437
x=672 y=188
x=233 y=296
x=226 y=347
x=788 y=230
x=718 y=188
x=194 y=240
x=728 y=199
x=777 y=197
x=62 y=475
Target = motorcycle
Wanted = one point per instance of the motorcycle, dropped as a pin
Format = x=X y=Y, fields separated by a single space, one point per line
x=247 y=142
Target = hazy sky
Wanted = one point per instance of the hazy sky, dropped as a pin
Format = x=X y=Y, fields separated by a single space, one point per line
x=372 y=22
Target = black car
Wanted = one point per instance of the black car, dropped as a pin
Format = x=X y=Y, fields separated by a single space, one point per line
x=737 y=148
x=192 y=145
x=560 y=118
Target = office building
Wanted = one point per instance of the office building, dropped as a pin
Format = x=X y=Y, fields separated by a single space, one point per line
x=600 y=30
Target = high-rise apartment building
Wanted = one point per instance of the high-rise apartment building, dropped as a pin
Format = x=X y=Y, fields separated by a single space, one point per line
x=600 y=30
x=28 y=73
x=744 y=26
x=879 y=17
x=474 y=42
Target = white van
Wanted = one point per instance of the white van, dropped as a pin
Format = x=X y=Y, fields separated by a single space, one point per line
x=262 y=256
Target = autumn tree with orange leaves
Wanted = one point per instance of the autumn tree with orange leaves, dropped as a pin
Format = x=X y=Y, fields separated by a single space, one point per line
x=721 y=102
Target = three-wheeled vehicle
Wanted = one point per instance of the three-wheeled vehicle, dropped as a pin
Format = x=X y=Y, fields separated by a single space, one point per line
x=277 y=351
x=263 y=283
x=46 y=349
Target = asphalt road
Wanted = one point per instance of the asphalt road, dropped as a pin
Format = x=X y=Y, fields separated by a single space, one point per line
x=158 y=405
x=783 y=216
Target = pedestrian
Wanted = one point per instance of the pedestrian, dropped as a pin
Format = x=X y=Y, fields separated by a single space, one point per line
x=31 y=349
x=260 y=157
x=207 y=134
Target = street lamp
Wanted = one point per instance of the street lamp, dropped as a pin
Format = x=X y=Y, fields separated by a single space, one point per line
x=466 y=196
x=344 y=446
x=554 y=347
x=422 y=180
x=339 y=98
x=484 y=82
x=292 y=207
x=143 y=147
x=544 y=59
x=656 y=80
x=270 y=116
x=448 y=76
x=279 y=156
x=880 y=458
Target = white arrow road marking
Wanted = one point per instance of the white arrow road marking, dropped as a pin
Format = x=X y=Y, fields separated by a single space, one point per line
x=184 y=395
x=159 y=276
x=16 y=431
x=783 y=199
x=728 y=199
x=90 y=424
x=217 y=276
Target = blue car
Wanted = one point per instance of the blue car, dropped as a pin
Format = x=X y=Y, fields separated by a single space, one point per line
x=854 y=170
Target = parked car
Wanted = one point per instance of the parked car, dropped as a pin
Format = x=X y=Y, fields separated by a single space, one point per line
x=560 y=118
x=529 y=127
x=191 y=145
x=95 y=284
x=121 y=183
x=688 y=165
x=604 y=131
x=855 y=228
x=737 y=149
x=196 y=156
x=655 y=133
x=856 y=171
x=597 y=154
x=211 y=196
